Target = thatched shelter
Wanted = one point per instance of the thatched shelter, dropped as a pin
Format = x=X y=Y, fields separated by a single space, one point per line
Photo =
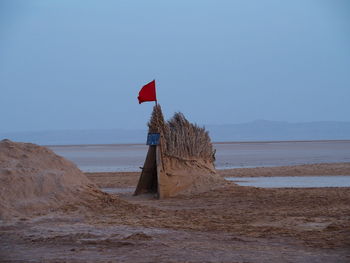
x=180 y=158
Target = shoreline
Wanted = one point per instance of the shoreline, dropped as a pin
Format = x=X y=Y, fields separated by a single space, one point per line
x=316 y=217
x=130 y=179
x=229 y=155
x=219 y=142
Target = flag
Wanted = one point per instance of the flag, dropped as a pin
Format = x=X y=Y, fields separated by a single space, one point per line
x=148 y=92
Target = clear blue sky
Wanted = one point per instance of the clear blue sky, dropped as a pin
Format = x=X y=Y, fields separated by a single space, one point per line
x=80 y=64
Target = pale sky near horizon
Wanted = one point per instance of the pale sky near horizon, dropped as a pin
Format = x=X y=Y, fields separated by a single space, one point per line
x=80 y=64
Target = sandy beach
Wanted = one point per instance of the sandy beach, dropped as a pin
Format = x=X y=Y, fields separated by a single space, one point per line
x=229 y=224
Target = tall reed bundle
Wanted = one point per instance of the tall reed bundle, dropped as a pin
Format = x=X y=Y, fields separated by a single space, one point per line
x=157 y=122
x=180 y=138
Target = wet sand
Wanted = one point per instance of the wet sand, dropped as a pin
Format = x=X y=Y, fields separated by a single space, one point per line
x=230 y=224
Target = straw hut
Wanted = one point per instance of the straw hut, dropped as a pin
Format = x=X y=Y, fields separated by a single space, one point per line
x=180 y=158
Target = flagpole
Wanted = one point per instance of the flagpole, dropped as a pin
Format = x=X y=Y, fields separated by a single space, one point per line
x=155 y=92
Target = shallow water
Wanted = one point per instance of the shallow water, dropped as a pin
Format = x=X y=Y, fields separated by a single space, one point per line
x=129 y=157
x=293 y=181
x=118 y=190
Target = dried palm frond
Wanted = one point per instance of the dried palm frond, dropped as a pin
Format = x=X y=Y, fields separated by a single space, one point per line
x=180 y=138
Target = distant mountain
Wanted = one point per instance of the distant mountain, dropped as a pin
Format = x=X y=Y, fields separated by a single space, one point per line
x=260 y=130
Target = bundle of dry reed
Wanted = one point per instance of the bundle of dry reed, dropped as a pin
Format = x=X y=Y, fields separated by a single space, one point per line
x=180 y=138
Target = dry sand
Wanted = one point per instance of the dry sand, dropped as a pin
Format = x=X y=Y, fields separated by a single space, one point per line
x=321 y=169
x=35 y=181
x=230 y=224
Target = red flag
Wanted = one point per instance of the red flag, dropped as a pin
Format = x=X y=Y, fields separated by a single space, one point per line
x=148 y=92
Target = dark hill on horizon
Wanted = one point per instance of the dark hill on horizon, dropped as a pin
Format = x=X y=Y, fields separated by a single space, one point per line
x=260 y=130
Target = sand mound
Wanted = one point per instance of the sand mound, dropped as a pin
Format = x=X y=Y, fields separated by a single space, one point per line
x=34 y=180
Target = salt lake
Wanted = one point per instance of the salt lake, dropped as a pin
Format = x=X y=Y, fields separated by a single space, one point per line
x=129 y=157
